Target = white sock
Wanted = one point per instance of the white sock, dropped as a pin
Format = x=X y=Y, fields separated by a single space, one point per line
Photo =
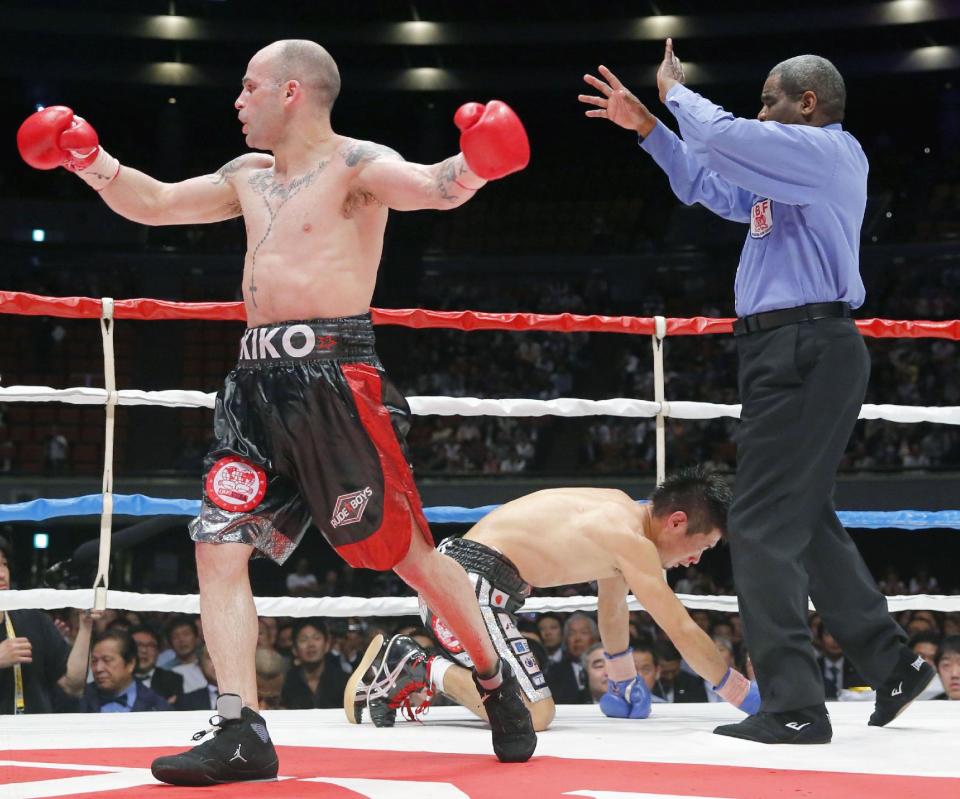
x=438 y=668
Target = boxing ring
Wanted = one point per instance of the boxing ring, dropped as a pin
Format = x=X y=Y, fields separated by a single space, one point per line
x=671 y=754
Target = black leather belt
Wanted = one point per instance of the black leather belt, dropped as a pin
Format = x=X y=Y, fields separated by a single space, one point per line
x=789 y=316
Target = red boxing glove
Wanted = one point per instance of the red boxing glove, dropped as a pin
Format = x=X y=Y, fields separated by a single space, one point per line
x=81 y=141
x=492 y=139
x=55 y=136
x=38 y=138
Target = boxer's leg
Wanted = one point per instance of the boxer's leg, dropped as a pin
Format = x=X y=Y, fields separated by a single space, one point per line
x=445 y=588
x=229 y=617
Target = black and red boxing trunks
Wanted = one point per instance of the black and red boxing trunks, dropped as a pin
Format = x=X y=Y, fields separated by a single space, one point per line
x=308 y=428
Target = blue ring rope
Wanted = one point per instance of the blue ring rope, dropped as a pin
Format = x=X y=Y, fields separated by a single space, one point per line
x=140 y=505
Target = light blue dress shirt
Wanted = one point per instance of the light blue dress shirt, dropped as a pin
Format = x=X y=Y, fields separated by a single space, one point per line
x=802 y=189
x=116 y=707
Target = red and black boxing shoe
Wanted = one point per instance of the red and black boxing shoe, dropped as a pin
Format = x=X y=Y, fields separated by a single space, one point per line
x=402 y=682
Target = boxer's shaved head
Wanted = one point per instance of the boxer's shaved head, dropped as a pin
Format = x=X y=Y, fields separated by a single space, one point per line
x=309 y=64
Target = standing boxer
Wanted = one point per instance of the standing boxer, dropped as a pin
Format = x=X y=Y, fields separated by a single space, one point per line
x=307 y=426
x=800 y=181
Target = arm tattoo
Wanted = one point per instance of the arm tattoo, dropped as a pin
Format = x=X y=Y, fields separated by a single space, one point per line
x=449 y=171
x=264 y=183
x=227 y=170
x=363 y=152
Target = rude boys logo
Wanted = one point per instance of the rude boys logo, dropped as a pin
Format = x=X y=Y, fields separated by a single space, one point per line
x=350 y=507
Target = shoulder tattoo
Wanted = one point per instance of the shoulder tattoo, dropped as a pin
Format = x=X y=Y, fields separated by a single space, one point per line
x=363 y=152
x=224 y=173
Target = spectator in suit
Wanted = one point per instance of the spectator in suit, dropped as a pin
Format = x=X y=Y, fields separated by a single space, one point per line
x=550 y=627
x=948 y=667
x=673 y=683
x=317 y=680
x=167 y=683
x=565 y=678
x=51 y=671
x=114 y=689
x=837 y=672
x=204 y=698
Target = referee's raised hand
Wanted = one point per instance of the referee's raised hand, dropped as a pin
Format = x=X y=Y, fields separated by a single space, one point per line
x=617 y=103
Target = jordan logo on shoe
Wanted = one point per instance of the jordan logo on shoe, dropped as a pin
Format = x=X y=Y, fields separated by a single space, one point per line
x=796 y=725
x=918 y=663
x=899 y=689
x=237 y=755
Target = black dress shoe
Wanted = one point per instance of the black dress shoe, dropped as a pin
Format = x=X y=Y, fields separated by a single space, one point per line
x=809 y=725
x=912 y=675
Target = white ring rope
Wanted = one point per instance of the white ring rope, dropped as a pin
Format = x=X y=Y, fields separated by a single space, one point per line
x=342 y=607
x=473 y=406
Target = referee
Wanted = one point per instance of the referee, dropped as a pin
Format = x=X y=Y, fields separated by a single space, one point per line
x=800 y=181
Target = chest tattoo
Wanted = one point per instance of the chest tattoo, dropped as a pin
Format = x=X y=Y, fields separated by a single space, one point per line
x=275 y=195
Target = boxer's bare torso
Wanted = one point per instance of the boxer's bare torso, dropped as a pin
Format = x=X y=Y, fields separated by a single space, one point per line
x=568 y=535
x=314 y=238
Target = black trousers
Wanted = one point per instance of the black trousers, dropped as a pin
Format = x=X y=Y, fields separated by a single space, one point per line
x=802 y=386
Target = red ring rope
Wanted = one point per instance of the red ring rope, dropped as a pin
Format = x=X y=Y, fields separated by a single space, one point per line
x=17 y=302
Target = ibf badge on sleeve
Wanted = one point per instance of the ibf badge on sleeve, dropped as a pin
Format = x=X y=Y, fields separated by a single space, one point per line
x=761 y=219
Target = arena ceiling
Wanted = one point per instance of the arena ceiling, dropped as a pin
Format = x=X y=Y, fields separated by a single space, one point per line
x=452 y=45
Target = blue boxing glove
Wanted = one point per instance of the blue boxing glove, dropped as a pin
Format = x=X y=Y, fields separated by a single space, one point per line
x=626 y=699
x=739 y=692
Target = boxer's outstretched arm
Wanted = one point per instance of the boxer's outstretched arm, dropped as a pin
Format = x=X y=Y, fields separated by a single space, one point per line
x=210 y=198
x=405 y=186
x=644 y=575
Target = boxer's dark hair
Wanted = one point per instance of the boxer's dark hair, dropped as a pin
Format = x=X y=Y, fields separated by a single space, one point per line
x=6 y=549
x=816 y=74
x=125 y=643
x=704 y=496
